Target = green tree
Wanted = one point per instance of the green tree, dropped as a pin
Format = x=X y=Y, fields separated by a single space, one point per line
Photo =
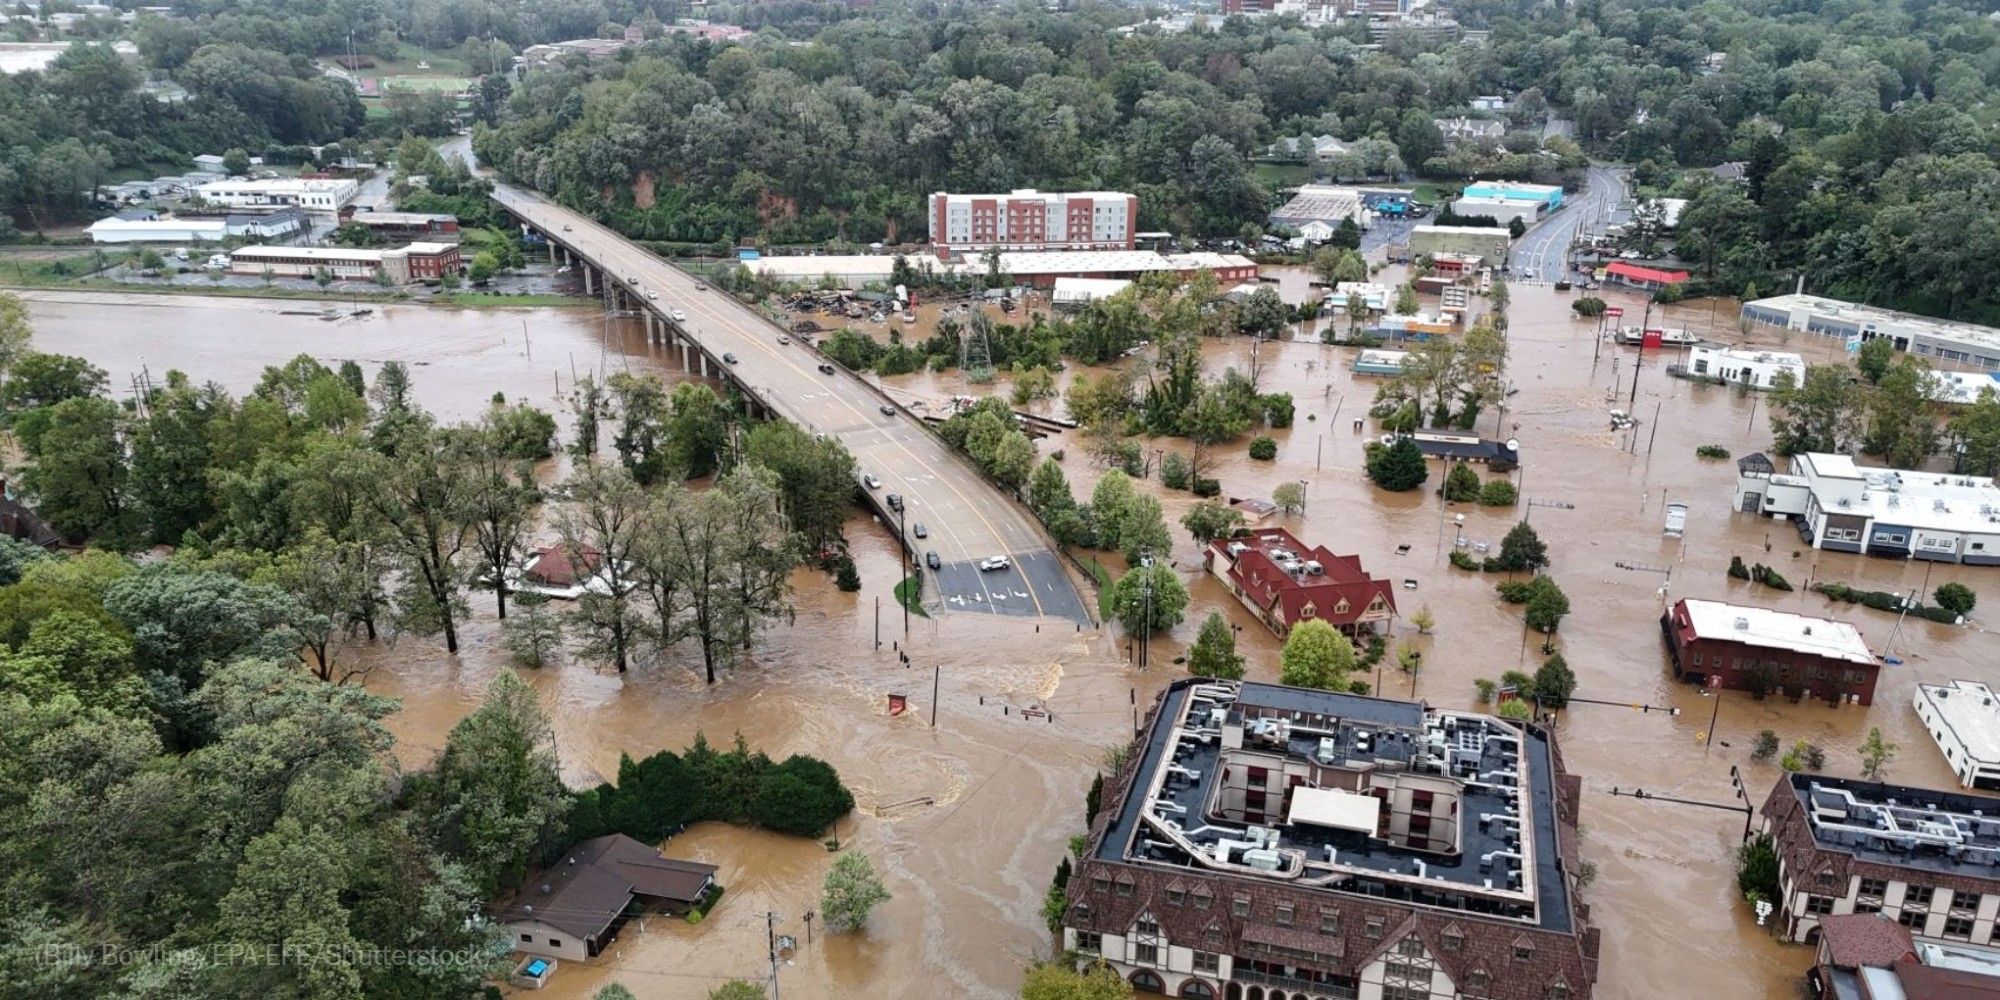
x=1214 y=651
x=1109 y=503
x=1263 y=449
x=1290 y=497
x=500 y=501
x=235 y=162
x=1048 y=489
x=1398 y=467
x=1461 y=483
x=422 y=497
x=1902 y=422
x=850 y=891
x=1955 y=597
x=322 y=276
x=1316 y=655
x=1874 y=358
x=1262 y=314
x=605 y=517
x=1209 y=520
x=697 y=430
x=1977 y=429
x=1142 y=531
x=495 y=797
x=15 y=331
x=1060 y=981
x=1876 y=753
x=1032 y=384
x=1522 y=549
x=815 y=478
x=1546 y=606
x=1013 y=460
x=80 y=479
x=36 y=380
x=1757 y=869
x=1554 y=682
x=737 y=989
x=1149 y=599
x=1820 y=414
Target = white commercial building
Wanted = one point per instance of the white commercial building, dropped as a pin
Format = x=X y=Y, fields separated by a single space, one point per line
x=1041 y=268
x=1374 y=297
x=1840 y=506
x=1324 y=203
x=1939 y=339
x=328 y=195
x=1964 y=718
x=1027 y=219
x=117 y=230
x=1502 y=210
x=1753 y=369
x=1963 y=388
x=1083 y=291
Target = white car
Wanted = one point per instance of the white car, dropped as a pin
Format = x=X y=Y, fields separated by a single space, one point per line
x=1527 y=272
x=652 y=295
x=871 y=482
x=677 y=316
x=991 y=563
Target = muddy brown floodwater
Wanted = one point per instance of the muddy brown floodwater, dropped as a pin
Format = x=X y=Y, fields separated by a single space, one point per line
x=968 y=819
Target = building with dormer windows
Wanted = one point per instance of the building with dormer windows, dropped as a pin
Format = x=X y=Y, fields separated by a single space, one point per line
x=1278 y=843
x=1284 y=582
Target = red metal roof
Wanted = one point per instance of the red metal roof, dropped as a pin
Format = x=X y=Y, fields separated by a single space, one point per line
x=1341 y=593
x=1637 y=273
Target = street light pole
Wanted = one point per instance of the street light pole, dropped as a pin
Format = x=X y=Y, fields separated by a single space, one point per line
x=904 y=597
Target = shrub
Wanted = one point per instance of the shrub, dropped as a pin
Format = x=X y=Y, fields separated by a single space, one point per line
x=1773 y=579
x=1462 y=561
x=1461 y=483
x=1207 y=488
x=1175 y=471
x=1498 y=493
x=1483 y=689
x=1956 y=598
x=1711 y=451
x=1397 y=467
x=1263 y=449
x=846 y=577
x=1737 y=569
x=1766 y=746
x=1589 y=306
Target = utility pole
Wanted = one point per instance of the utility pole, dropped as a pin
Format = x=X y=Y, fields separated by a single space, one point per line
x=771 y=939
x=904 y=597
x=1640 y=362
x=937 y=671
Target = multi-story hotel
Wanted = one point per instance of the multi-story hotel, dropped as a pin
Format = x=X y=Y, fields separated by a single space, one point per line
x=1034 y=220
x=1930 y=860
x=1277 y=843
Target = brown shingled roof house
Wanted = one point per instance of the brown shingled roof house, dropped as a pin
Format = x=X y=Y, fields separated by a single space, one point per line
x=1277 y=843
x=574 y=908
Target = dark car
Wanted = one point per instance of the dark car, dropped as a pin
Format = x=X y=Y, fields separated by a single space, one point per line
x=895 y=501
x=728 y=357
x=825 y=369
x=920 y=531
x=931 y=559
x=887 y=410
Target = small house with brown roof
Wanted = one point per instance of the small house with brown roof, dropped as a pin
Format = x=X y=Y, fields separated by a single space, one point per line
x=1284 y=583
x=575 y=907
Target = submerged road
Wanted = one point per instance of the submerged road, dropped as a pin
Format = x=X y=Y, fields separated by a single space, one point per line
x=965 y=518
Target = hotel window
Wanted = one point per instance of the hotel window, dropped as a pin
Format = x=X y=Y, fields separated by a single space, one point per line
x=1958 y=927
x=1201 y=898
x=1819 y=904
x=1090 y=941
x=1558 y=992
x=1918 y=897
x=1374 y=928
x=1207 y=962
x=1913 y=919
x=1176 y=897
x=1410 y=947
x=1146 y=954
x=528 y=937
x=1284 y=914
x=1962 y=901
x=1240 y=906
x=1873 y=887
x=1146 y=925
x=1697 y=659
x=1125 y=886
x=1406 y=993
x=1524 y=952
x=1329 y=923
x=1477 y=979
x=1099 y=883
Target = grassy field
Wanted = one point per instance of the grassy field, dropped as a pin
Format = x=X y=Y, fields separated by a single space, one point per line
x=407 y=58
x=497 y=300
x=1103 y=577
x=1276 y=176
x=911 y=592
x=1437 y=192
x=449 y=84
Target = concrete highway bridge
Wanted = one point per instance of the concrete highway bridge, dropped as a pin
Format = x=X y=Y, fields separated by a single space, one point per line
x=965 y=519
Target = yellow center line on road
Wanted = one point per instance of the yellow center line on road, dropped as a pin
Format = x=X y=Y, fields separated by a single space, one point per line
x=617 y=251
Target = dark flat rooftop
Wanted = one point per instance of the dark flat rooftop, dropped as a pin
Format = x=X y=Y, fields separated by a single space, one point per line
x=1393 y=728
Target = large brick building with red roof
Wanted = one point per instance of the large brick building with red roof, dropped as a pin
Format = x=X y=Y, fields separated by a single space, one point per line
x=1284 y=583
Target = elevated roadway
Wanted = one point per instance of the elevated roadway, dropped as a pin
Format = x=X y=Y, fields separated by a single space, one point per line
x=965 y=518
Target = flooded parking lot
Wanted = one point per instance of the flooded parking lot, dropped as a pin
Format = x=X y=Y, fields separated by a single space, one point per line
x=968 y=819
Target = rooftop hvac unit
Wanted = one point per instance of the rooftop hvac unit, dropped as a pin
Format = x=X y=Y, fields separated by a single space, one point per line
x=1742 y=624
x=1313 y=567
x=1264 y=860
x=1327 y=751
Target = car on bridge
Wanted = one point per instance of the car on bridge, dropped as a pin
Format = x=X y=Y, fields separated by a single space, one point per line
x=887 y=410
x=677 y=316
x=920 y=531
x=895 y=501
x=728 y=357
x=931 y=559
x=871 y=482
x=784 y=339
x=825 y=369
x=991 y=563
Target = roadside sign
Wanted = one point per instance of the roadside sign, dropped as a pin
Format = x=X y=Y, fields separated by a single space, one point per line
x=1853 y=344
x=1615 y=311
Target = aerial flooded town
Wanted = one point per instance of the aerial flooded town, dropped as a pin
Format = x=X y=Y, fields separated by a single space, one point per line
x=1267 y=500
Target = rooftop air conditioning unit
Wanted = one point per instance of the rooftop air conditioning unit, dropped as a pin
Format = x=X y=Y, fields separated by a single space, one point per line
x=1742 y=624
x=1313 y=568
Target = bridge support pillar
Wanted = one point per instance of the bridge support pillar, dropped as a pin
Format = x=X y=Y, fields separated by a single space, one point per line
x=686 y=365
x=589 y=281
x=704 y=365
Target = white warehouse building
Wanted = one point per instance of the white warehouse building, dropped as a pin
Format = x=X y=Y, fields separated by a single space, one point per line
x=329 y=195
x=1899 y=513
x=1939 y=339
x=1964 y=718
x=1752 y=369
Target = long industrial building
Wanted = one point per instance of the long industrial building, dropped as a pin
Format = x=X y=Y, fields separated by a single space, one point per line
x=1279 y=843
x=1966 y=344
x=1900 y=513
x=1039 y=268
x=415 y=262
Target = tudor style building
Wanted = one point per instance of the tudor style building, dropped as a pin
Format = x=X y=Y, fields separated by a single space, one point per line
x=1277 y=843
x=1927 y=859
x=1284 y=583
